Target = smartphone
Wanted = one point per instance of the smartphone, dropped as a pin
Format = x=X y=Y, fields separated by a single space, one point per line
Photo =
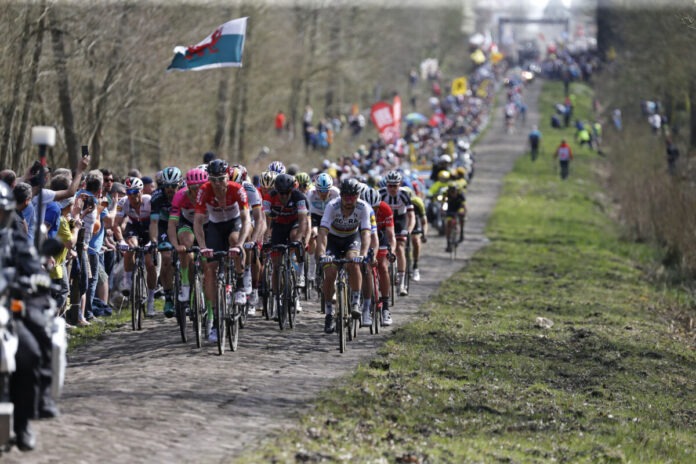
x=85 y=151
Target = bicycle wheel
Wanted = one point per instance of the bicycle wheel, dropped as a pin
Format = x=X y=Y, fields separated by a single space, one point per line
x=243 y=315
x=306 y=289
x=179 y=307
x=452 y=241
x=267 y=295
x=392 y=281
x=197 y=308
x=134 y=302
x=407 y=274
x=282 y=308
x=375 y=308
x=233 y=326
x=340 y=321
x=220 y=315
x=292 y=295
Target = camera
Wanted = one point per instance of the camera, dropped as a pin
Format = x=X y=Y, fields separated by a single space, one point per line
x=89 y=202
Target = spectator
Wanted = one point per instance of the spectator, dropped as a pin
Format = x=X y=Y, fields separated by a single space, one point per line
x=207 y=157
x=280 y=122
x=9 y=177
x=672 y=156
x=534 y=142
x=67 y=236
x=616 y=119
x=307 y=125
x=564 y=155
x=148 y=185
x=22 y=195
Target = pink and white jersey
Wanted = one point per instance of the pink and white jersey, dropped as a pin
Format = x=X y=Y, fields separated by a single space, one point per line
x=183 y=206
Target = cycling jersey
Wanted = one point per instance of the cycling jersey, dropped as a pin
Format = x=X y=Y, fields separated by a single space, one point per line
x=183 y=208
x=384 y=216
x=316 y=204
x=285 y=213
x=455 y=204
x=159 y=206
x=253 y=195
x=399 y=203
x=339 y=225
x=418 y=206
x=124 y=209
x=208 y=204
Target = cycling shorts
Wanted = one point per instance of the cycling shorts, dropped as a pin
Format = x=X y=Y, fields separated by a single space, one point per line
x=401 y=225
x=280 y=233
x=316 y=220
x=138 y=229
x=218 y=234
x=338 y=246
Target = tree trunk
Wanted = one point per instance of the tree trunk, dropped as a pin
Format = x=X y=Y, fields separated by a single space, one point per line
x=11 y=108
x=334 y=59
x=223 y=86
x=692 y=113
x=244 y=78
x=313 y=39
x=64 y=95
x=33 y=74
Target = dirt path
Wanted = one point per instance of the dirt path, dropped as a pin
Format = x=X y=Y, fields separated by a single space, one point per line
x=146 y=397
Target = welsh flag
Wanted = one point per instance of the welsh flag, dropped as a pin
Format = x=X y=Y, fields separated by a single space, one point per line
x=220 y=49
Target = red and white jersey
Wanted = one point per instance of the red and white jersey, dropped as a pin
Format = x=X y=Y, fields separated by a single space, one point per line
x=221 y=211
x=124 y=209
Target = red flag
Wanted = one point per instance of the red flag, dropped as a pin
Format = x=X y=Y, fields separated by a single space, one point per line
x=383 y=118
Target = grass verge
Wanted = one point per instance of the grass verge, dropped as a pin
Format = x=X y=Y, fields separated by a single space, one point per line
x=476 y=380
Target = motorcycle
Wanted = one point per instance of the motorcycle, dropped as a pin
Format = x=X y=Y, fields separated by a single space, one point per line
x=435 y=209
x=8 y=350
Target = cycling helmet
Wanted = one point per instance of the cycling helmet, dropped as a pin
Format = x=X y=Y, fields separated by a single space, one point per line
x=461 y=172
x=303 y=179
x=443 y=176
x=393 y=177
x=7 y=205
x=350 y=187
x=171 y=175
x=371 y=196
x=133 y=183
x=203 y=167
x=284 y=183
x=382 y=183
x=362 y=187
x=217 y=167
x=240 y=173
x=324 y=182
x=159 y=178
x=277 y=167
x=463 y=144
x=196 y=176
x=235 y=174
x=268 y=179
x=445 y=159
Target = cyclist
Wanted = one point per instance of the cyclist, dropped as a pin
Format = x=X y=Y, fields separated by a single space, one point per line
x=252 y=268
x=180 y=227
x=456 y=208
x=225 y=205
x=161 y=203
x=399 y=200
x=304 y=182
x=384 y=222
x=286 y=213
x=318 y=197
x=267 y=182
x=442 y=182
x=344 y=232
x=277 y=166
x=420 y=232
x=136 y=207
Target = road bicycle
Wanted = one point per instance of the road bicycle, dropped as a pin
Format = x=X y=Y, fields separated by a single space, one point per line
x=287 y=284
x=346 y=326
x=453 y=237
x=138 y=290
x=371 y=272
x=179 y=306
x=266 y=287
x=197 y=310
x=227 y=312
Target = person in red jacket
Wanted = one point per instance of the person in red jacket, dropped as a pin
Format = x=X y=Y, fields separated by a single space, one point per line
x=280 y=122
x=564 y=155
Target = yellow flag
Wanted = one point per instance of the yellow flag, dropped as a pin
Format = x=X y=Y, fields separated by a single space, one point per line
x=459 y=86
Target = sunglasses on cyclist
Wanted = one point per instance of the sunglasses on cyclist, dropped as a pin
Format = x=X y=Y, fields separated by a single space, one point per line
x=170 y=185
x=217 y=179
x=349 y=197
x=132 y=191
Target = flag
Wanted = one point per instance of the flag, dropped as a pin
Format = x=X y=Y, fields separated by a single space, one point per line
x=382 y=116
x=459 y=86
x=220 y=49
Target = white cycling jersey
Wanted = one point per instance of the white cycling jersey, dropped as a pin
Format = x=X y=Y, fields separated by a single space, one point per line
x=399 y=203
x=316 y=204
x=253 y=195
x=343 y=226
x=124 y=209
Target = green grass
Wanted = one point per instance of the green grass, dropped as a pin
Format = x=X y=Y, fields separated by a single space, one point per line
x=474 y=380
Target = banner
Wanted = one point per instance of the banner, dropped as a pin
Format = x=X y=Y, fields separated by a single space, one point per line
x=382 y=116
x=396 y=112
x=459 y=86
x=220 y=49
